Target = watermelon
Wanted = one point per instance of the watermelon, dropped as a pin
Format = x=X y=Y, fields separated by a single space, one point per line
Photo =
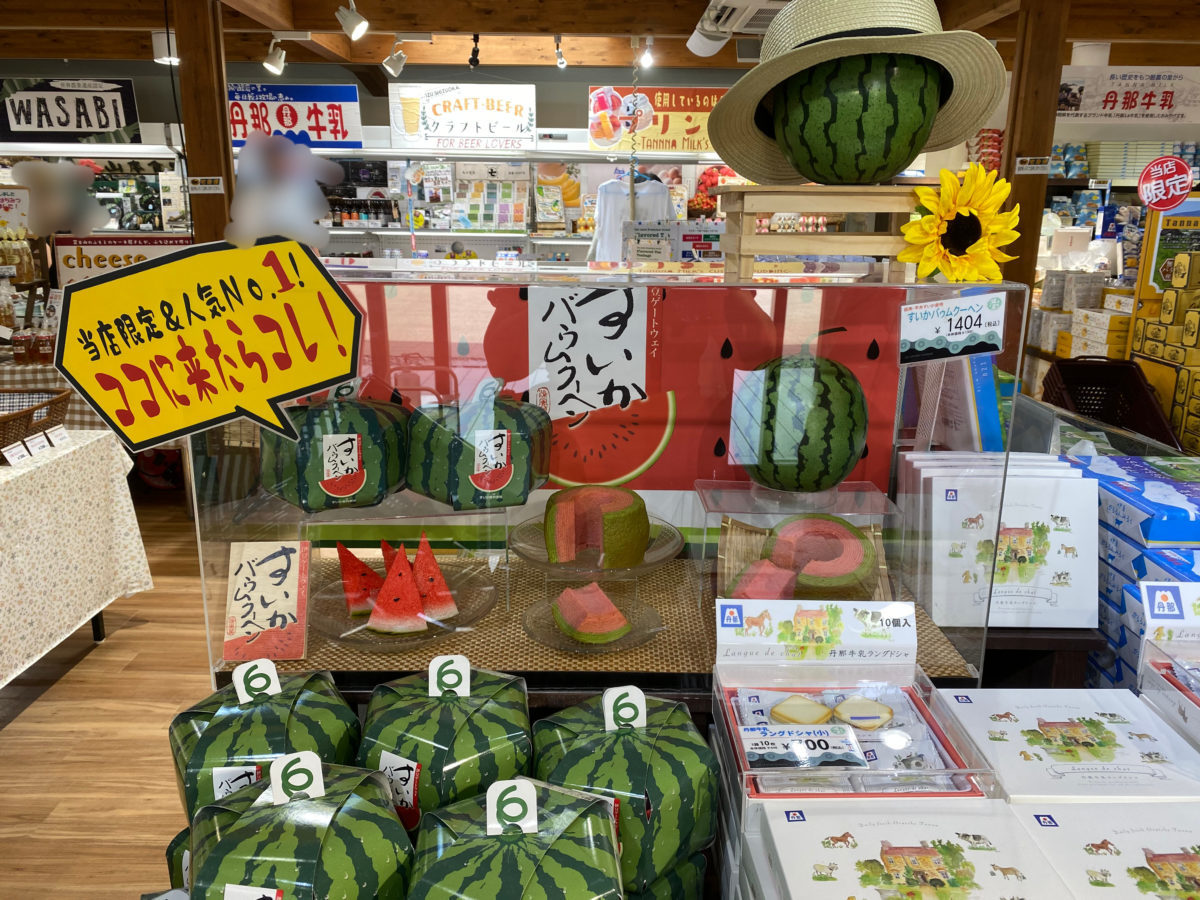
x=683 y=882
x=573 y=855
x=763 y=580
x=350 y=453
x=436 y=598
x=829 y=556
x=389 y=555
x=447 y=458
x=178 y=858
x=307 y=714
x=664 y=774
x=398 y=608
x=593 y=523
x=799 y=423
x=587 y=615
x=347 y=844
x=462 y=744
x=857 y=119
x=360 y=583
x=612 y=445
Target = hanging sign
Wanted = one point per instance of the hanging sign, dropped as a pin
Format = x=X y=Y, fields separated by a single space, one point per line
x=1165 y=183
x=168 y=347
x=317 y=115
x=79 y=258
x=66 y=110
x=664 y=118
x=1130 y=95
x=463 y=116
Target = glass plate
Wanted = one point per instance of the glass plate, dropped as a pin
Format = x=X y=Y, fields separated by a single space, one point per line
x=528 y=541
x=468 y=579
x=644 y=623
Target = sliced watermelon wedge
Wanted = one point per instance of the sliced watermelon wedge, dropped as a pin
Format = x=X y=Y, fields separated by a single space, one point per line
x=360 y=583
x=435 y=593
x=389 y=555
x=587 y=615
x=398 y=609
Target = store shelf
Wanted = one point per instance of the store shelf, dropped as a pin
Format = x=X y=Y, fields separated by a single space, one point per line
x=87 y=151
x=1031 y=350
x=433 y=233
x=580 y=239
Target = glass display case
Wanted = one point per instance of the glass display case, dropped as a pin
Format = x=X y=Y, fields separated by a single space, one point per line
x=749 y=421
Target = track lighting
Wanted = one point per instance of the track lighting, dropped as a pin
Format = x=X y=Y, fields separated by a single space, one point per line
x=647 y=59
x=708 y=38
x=560 y=60
x=276 y=58
x=393 y=64
x=352 y=21
x=473 y=62
x=163 y=43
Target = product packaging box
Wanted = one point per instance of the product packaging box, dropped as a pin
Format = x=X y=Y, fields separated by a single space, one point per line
x=1119 y=551
x=1102 y=319
x=1186 y=272
x=1143 y=502
x=1119 y=300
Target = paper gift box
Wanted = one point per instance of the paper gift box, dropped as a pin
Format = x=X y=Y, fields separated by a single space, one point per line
x=455 y=746
x=347 y=843
x=178 y=858
x=663 y=775
x=220 y=745
x=571 y=856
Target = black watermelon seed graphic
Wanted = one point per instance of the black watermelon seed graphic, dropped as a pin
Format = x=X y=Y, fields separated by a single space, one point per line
x=873 y=350
x=726 y=349
x=719 y=448
x=866 y=450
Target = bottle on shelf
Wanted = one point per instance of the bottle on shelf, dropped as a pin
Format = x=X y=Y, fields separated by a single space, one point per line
x=22 y=344
x=8 y=313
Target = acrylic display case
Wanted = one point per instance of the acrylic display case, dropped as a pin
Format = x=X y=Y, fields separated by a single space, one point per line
x=640 y=380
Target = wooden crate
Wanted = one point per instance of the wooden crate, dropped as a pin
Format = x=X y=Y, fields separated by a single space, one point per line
x=745 y=204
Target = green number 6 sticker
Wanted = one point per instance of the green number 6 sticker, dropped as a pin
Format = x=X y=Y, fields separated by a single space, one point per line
x=296 y=775
x=512 y=803
x=624 y=707
x=255 y=680
x=450 y=675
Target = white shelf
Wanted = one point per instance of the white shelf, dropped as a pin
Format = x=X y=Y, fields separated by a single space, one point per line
x=561 y=240
x=89 y=151
x=552 y=155
x=431 y=233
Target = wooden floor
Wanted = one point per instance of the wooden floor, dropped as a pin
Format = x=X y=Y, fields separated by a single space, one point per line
x=88 y=799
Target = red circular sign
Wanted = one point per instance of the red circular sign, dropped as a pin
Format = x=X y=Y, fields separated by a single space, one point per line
x=1165 y=183
x=285 y=113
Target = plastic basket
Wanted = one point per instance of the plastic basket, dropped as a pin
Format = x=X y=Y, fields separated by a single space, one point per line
x=1113 y=391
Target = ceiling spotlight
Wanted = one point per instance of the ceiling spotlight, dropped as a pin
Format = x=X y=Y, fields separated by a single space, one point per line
x=352 y=21
x=473 y=62
x=647 y=59
x=163 y=43
x=560 y=60
x=276 y=58
x=394 y=63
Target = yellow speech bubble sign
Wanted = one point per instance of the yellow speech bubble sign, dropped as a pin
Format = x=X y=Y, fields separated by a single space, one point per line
x=181 y=343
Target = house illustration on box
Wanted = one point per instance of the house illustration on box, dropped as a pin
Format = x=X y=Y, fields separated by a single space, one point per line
x=1018 y=540
x=1180 y=870
x=925 y=862
x=1066 y=733
x=811 y=625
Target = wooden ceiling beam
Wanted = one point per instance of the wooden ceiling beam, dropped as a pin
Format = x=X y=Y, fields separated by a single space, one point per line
x=971 y=15
x=1171 y=22
x=273 y=14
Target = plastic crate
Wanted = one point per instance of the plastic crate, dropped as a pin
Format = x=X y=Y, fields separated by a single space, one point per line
x=1113 y=391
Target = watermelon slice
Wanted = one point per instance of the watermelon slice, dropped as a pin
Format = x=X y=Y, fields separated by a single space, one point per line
x=763 y=580
x=389 y=555
x=588 y=616
x=612 y=445
x=435 y=593
x=360 y=583
x=398 y=609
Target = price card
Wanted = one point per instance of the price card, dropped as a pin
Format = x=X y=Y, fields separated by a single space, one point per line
x=802 y=746
x=295 y=775
x=255 y=680
x=15 y=454
x=624 y=707
x=945 y=329
x=512 y=803
x=38 y=443
x=58 y=435
x=450 y=674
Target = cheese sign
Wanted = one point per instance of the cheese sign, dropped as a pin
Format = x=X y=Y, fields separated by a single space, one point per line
x=78 y=258
x=168 y=347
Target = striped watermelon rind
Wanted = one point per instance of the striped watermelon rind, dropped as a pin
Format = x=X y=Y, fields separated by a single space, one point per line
x=441 y=458
x=307 y=714
x=347 y=844
x=463 y=744
x=799 y=423
x=858 y=582
x=683 y=882
x=667 y=763
x=858 y=119
x=293 y=470
x=572 y=855
x=179 y=845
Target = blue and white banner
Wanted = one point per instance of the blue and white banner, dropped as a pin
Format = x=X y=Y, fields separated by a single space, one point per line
x=318 y=115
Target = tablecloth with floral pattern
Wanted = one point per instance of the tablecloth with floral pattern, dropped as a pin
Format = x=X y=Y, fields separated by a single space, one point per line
x=69 y=545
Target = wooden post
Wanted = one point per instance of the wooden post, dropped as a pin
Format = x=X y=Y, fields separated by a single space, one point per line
x=204 y=106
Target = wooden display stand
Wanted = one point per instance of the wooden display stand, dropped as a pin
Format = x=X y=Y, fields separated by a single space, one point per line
x=745 y=204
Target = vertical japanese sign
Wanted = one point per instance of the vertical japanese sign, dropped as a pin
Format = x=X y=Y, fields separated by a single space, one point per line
x=172 y=346
x=1145 y=94
x=318 y=115
x=463 y=116
x=266 y=604
x=664 y=118
x=67 y=110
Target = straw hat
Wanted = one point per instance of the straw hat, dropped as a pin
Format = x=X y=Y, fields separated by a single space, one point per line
x=806 y=33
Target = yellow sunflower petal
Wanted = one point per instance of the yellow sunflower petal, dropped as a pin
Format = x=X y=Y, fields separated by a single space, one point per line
x=928 y=198
x=970 y=184
x=948 y=201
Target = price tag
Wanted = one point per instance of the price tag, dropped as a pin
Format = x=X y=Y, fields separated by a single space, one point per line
x=37 y=443
x=624 y=707
x=296 y=775
x=255 y=680
x=512 y=803
x=247 y=892
x=16 y=454
x=201 y=184
x=1032 y=165
x=59 y=435
x=186 y=868
x=8 y=271
x=451 y=674
x=946 y=329
x=803 y=746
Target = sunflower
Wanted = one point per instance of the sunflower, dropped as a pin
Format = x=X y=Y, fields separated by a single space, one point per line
x=963 y=229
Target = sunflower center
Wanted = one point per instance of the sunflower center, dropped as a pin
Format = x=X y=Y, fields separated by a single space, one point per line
x=961 y=232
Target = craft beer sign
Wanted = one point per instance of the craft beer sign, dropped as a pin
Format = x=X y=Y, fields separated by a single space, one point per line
x=65 y=110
